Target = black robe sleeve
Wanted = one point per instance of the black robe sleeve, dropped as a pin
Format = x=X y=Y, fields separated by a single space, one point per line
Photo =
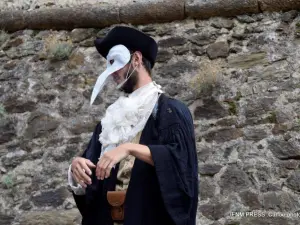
x=175 y=163
x=92 y=153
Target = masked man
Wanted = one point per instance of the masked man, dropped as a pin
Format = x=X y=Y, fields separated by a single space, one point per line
x=140 y=166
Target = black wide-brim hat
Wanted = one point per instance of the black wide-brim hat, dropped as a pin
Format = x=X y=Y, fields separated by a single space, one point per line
x=131 y=38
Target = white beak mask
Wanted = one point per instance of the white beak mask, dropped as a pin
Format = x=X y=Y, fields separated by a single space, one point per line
x=120 y=55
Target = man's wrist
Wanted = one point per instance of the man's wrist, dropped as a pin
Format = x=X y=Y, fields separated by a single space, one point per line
x=128 y=148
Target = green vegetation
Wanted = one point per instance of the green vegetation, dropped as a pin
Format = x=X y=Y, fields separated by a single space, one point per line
x=56 y=50
x=7 y=181
x=34 y=33
x=272 y=117
x=232 y=107
x=2 y=111
x=3 y=37
x=207 y=78
x=238 y=96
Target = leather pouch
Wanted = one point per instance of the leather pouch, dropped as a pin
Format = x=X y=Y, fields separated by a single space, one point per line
x=116 y=201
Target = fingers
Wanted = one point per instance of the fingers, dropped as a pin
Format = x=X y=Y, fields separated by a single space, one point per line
x=85 y=167
x=90 y=164
x=104 y=167
x=108 y=169
x=83 y=184
x=101 y=165
x=78 y=178
x=84 y=177
x=81 y=171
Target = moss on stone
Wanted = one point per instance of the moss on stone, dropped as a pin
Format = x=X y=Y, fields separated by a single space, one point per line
x=3 y=37
x=56 y=50
x=207 y=78
x=2 y=111
x=272 y=118
x=34 y=33
x=238 y=96
x=232 y=107
x=7 y=181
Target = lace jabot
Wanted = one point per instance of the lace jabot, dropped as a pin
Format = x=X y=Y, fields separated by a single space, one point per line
x=128 y=116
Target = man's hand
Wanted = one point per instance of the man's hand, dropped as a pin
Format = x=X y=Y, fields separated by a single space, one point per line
x=109 y=160
x=81 y=169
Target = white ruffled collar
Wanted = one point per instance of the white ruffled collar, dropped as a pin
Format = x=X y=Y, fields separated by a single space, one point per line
x=128 y=116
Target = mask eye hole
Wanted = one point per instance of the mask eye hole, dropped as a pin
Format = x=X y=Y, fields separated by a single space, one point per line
x=111 y=62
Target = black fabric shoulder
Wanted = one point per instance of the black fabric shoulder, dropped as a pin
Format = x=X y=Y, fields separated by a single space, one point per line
x=172 y=111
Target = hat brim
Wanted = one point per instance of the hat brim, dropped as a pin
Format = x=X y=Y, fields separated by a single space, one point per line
x=133 y=39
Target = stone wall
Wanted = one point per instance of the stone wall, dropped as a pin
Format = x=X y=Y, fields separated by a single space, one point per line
x=239 y=76
x=69 y=14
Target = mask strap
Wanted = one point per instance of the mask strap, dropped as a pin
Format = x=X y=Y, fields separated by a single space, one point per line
x=127 y=76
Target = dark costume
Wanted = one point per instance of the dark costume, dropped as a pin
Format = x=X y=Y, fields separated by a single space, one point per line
x=163 y=194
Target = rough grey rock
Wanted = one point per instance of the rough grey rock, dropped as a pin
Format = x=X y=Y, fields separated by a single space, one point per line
x=233 y=180
x=209 y=169
x=206 y=188
x=214 y=211
x=176 y=70
x=14 y=158
x=227 y=122
x=174 y=89
x=250 y=199
x=144 y=11
x=66 y=153
x=279 y=129
x=255 y=134
x=218 y=50
x=267 y=220
x=163 y=55
x=7 y=130
x=211 y=109
x=245 y=19
x=223 y=135
x=50 y=198
x=71 y=103
x=201 y=39
x=5 y=219
x=26 y=206
x=259 y=107
x=182 y=50
x=247 y=61
x=270 y=187
x=289 y=16
x=198 y=51
x=280 y=201
x=293 y=181
x=65 y=217
x=284 y=150
x=10 y=65
x=223 y=23
x=78 y=35
x=274 y=5
x=239 y=33
x=291 y=164
x=40 y=124
x=172 y=41
x=46 y=98
x=19 y=105
x=206 y=9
